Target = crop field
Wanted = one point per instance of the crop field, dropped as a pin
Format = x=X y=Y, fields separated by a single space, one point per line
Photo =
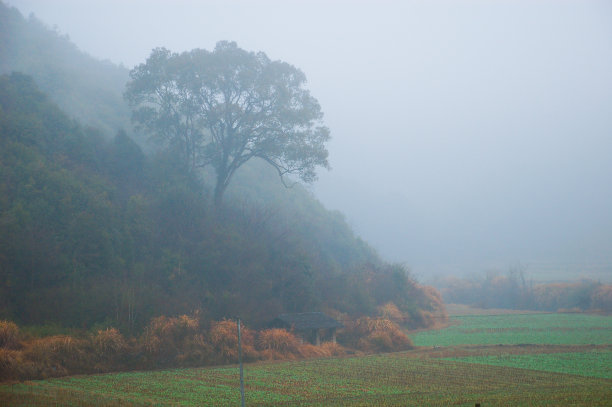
x=593 y=363
x=514 y=329
x=391 y=380
x=461 y=369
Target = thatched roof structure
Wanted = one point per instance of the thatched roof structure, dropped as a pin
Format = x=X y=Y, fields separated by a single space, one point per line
x=306 y=320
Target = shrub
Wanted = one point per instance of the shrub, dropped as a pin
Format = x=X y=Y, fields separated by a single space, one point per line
x=223 y=337
x=196 y=351
x=376 y=335
x=109 y=343
x=165 y=338
x=278 y=344
x=58 y=356
x=9 y=335
x=277 y=339
x=110 y=349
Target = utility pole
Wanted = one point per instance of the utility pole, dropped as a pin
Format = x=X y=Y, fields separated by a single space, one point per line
x=240 y=363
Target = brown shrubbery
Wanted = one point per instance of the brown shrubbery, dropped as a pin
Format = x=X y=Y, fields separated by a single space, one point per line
x=278 y=344
x=375 y=335
x=58 y=355
x=164 y=337
x=182 y=341
x=223 y=337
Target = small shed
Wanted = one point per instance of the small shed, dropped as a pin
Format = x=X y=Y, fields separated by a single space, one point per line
x=313 y=327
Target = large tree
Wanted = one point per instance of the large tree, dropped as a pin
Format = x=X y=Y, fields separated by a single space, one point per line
x=225 y=107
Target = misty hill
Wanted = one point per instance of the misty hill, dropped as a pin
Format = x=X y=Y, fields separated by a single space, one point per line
x=88 y=89
x=94 y=231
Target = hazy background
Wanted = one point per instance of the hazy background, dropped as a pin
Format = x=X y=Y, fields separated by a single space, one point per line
x=467 y=135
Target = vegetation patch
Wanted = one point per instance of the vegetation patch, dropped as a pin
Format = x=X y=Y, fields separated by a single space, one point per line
x=514 y=329
x=592 y=364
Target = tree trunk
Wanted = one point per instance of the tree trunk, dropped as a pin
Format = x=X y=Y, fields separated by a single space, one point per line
x=219 y=190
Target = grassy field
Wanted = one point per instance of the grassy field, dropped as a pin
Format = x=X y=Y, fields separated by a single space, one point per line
x=592 y=364
x=514 y=329
x=461 y=370
x=392 y=380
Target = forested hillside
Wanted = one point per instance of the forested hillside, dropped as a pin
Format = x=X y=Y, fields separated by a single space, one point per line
x=94 y=232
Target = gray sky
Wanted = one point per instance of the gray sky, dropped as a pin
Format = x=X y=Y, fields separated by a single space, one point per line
x=467 y=135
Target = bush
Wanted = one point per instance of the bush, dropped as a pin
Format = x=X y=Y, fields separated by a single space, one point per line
x=165 y=338
x=110 y=349
x=109 y=343
x=278 y=344
x=223 y=337
x=58 y=356
x=196 y=351
x=9 y=335
x=277 y=339
x=376 y=335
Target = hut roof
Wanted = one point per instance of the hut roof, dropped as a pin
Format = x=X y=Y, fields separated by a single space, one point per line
x=307 y=320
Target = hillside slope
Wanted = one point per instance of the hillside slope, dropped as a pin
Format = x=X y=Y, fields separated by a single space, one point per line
x=94 y=231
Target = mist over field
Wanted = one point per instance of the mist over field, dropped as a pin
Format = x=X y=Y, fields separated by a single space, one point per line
x=466 y=136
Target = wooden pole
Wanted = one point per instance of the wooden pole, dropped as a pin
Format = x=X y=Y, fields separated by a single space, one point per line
x=240 y=363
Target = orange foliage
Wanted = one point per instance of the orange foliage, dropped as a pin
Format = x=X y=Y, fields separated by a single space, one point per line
x=223 y=337
x=279 y=340
x=164 y=336
x=391 y=312
x=376 y=335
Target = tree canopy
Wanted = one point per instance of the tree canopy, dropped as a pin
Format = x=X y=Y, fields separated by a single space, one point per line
x=225 y=107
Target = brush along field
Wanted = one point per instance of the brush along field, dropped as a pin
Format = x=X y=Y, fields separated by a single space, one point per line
x=515 y=373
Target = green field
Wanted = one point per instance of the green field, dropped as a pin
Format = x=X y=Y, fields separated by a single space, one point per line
x=514 y=329
x=392 y=380
x=593 y=364
x=535 y=375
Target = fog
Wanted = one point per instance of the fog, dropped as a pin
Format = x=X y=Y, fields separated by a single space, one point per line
x=467 y=135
